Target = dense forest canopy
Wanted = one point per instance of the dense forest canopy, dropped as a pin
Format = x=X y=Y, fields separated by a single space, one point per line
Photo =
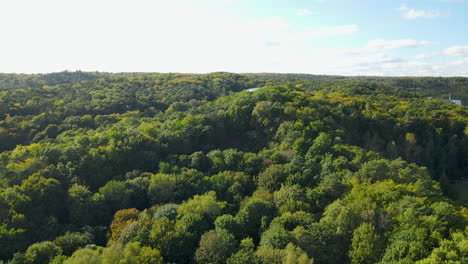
x=187 y=168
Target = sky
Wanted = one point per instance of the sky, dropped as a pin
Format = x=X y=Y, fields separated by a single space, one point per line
x=339 y=37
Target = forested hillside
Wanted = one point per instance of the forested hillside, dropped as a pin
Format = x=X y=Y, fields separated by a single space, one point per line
x=436 y=87
x=185 y=168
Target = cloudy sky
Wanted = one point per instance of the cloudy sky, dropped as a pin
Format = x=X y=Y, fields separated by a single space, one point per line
x=347 y=37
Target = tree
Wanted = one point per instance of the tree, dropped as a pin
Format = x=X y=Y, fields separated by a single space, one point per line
x=42 y=253
x=407 y=246
x=322 y=144
x=272 y=177
x=290 y=199
x=80 y=205
x=71 y=242
x=231 y=186
x=116 y=195
x=168 y=210
x=85 y=256
x=246 y=254
x=270 y=255
x=9 y=241
x=44 y=207
x=162 y=234
x=268 y=116
x=276 y=236
x=320 y=242
x=204 y=205
x=229 y=223
x=365 y=245
x=121 y=220
x=254 y=217
x=162 y=188
x=294 y=255
x=199 y=161
x=449 y=251
x=139 y=191
x=131 y=253
x=215 y=247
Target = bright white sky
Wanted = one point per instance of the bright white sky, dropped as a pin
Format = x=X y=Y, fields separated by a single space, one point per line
x=368 y=37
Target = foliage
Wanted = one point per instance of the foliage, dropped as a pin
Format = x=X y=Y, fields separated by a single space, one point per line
x=215 y=247
x=185 y=168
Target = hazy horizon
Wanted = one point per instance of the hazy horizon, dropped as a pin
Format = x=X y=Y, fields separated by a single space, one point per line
x=290 y=73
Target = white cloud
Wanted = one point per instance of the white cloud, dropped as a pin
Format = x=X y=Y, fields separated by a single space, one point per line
x=374 y=60
x=450 y=1
x=377 y=44
x=457 y=51
x=425 y=56
x=411 y=13
x=412 y=68
x=272 y=43
x=326 y=31
x=303 y=12
x=407 y=68
x=364 y=61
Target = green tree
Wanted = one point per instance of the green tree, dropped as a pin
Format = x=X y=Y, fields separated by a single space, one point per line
x=215 y=247
x=131 y=253
x=9 y=241
x=80 y=205
x=162 y=188
x=116 y=195
x=254 y=217
x=276 y=236
x=229 y=223
x=294 y=255
x=204 y=205
x=272 y=177
x=86 y=255
x=246 y=254
x=365 y=245
x=71 y=242
x=42 y=252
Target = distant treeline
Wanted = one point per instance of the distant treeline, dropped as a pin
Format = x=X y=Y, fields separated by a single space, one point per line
x=437 y=87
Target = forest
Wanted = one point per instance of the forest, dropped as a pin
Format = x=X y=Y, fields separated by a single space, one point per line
x=143 y=168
